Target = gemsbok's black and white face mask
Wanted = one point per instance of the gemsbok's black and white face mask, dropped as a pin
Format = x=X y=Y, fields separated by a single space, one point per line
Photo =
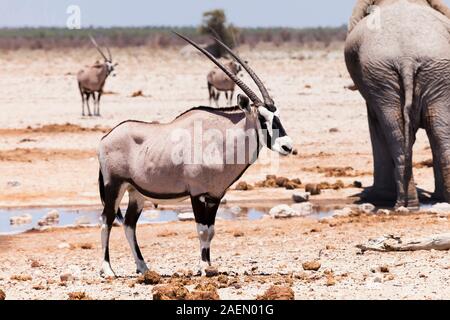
x=276 y=136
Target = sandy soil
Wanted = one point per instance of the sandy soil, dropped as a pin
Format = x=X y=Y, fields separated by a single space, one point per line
x=48 y=158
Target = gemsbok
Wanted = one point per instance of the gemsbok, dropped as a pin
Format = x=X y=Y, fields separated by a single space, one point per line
x=91 y=80
x=219 y=82
x=186 y=158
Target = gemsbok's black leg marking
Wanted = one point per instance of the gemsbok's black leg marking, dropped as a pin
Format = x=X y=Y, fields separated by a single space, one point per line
x=205 y=210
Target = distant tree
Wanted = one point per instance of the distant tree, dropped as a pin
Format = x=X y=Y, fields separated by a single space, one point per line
x=215 y=24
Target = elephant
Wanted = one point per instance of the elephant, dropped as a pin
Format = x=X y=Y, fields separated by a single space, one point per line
x=401 y=67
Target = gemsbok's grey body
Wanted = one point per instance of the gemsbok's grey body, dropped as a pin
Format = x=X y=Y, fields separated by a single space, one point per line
x=91 y=80
x=151 y=161
x=219 y=82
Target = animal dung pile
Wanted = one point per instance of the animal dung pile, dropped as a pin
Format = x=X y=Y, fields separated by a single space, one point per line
x=170 y=292
x=211 y=272
x=272 y=181
x=78 y=296
x=138 y=93
x=23 y=219
x=311 y=265
x=244 y=186
x=204 y=291
x=51 y=218
x=277 y=293
x=313 y=189
x=149 y=278
x=2 y=295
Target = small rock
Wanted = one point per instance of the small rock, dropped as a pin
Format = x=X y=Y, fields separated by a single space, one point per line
x=333 y=130
x=243 y=186
x=366 y=207
x=384 y=269
x=383 y=212
x=35 y=264
x=295 y=152
x=211 y=272
x=63 y=245
x=303 y=209
x=149 y=278
x=51 y=218
x=238 y=234
x=170 y=292
x=66 y=277
x=345 y=212
x=357 y=184
x=300 y=197
x=186 y=216
x=78 y=296
x=277 y=293
x=2 y=295
x=311 y=265
x=312 y=189
x=402 y=210
x=282 y=211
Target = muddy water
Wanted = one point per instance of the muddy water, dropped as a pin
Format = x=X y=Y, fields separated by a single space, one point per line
x=71 y=217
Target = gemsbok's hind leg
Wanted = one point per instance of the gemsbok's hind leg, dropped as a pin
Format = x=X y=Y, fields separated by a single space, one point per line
x=205 y=210
x=113 y=196
x=88 y=95
x=135 y=207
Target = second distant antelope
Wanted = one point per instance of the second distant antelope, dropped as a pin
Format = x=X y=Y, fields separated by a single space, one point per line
x=91 y=80
x=218 y=81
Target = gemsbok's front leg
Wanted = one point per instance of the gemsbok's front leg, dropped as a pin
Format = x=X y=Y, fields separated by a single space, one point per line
x=205 y=210
x=134 y=210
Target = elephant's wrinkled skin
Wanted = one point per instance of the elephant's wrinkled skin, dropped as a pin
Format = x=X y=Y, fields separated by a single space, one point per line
x=402 y=69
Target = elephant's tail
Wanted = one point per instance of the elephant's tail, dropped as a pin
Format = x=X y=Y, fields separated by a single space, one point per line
x=407 y=74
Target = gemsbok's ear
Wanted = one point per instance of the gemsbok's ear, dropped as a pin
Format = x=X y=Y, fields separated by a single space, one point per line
x=243 y=102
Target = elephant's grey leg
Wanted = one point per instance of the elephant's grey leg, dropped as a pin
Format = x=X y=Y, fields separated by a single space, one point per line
x=391 y=121
x=437 y=124
x=384 y=187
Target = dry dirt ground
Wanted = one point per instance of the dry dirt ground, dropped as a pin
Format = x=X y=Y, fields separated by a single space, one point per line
x=48 y=158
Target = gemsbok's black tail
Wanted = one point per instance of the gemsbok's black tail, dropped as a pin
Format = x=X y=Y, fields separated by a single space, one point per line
x=101 y=187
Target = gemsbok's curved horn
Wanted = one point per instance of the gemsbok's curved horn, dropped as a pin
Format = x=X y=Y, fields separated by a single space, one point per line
x=267 y=99
x=236 y=80
x=97 y=47
x=109 y=54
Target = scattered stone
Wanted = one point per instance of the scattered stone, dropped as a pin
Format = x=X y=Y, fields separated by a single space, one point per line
x=333 y=130
x=211 y=271
x=238 y=234
x=366 y=207
x=331 y=280
x=357 y=184
x=383 y=212
x=186 y=216
x=384 y=269
x=277 y=293
x=244 y=186
x=282 y=211
x=303 y=209
x=35 y=264
x=149 y=278
x=51 y=218
x=345 y=212
x=170 y=292
x=138 y=93
x=311 y=265
x=19 y=220
x=300 y=197
x=2 y=295
x=66 y=277
x=38 y=287
x=21 y=277
x=402 y=210
x=312 y=189
x=78 y=296
x=63 y=245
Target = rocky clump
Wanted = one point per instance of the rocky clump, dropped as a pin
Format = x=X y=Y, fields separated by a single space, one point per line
x=149 y=278
x=272 y=181
x=311 y=265
x=78 y=296
x=2 y=295
x=300 y=197
x=313 y=189
x=284 y=211
x=244 y=186
x=170 y=292
x=51 y=218
x=277 y=293
x=204 y=291
x=211 y=271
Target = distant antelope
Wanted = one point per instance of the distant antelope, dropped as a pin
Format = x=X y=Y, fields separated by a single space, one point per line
x=138 y=157
x=91 y=79
x=218 y=81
